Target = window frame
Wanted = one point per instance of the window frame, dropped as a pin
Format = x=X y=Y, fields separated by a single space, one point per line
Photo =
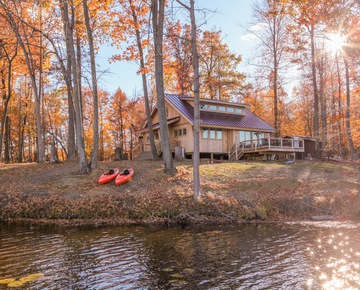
x=212 y=134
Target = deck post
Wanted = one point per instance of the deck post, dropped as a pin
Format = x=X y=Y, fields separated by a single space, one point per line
x=236 y=150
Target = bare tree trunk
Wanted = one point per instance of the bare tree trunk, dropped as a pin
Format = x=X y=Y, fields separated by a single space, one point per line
x=66 y=72
x=6 y=96
x=84 y=166
x=22 y=125
x=196 y=157
x=339 y=108
x=7 y=139
x=71 y=150
x=323 y=107
x=195 y=56
x=70 y=98
x=347 y=113
x=315 y=87
x=275 y=81
x=144 y=84
x=158 y=9
x=95 y=149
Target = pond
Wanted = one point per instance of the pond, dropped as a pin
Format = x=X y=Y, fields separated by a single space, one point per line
x=304 y=255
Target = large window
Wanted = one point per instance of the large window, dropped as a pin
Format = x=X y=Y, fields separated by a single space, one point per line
x=246 y=136
x=210 y=133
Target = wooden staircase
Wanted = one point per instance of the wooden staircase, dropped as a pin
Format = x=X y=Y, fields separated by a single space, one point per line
x=236 y=151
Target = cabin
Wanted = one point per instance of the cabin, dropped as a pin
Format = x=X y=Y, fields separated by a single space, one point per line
x=228 y=130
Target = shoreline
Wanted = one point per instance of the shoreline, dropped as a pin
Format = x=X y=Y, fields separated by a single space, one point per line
x=232 y=193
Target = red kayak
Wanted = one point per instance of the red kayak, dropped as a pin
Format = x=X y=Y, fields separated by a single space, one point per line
x=108 y=176
x=124 y=176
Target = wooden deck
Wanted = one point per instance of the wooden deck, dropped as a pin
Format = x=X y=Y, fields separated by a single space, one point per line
x=266 y=146
x=259 y=147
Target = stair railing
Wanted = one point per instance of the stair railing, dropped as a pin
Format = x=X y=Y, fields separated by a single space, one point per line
x=137 y=150
x=233 y=151
x=240 y=151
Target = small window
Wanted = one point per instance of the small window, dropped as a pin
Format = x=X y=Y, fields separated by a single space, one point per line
x=212 y=133
x=175 y=133
x=184 y=131
x=230 y=109
x=204 y=107
x=213 y=107
x=222 y=108
x=238 y=111
x=205 y=133
x=180 y=132
x=219 y=134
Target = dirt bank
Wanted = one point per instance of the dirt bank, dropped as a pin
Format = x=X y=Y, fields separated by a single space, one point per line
x=232 y=192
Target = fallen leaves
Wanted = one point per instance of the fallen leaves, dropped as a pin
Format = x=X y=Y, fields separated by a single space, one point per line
x=239 y=190
x=12 y=282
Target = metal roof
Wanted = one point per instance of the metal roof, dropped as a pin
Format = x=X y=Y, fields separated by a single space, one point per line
x=207 y=118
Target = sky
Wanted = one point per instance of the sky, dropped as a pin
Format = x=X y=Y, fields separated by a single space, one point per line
x=229 y=17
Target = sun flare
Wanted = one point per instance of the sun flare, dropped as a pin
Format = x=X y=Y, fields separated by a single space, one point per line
x=335 y=42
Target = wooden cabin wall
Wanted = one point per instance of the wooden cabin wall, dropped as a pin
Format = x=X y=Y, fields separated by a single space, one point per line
x=214 y=145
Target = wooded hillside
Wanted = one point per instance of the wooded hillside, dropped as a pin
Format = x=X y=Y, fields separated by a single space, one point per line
x=53 y=107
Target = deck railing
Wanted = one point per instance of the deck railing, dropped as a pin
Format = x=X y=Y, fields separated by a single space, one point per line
x=274 y=144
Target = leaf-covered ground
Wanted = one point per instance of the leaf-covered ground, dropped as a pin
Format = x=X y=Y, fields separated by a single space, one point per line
x=231 y=192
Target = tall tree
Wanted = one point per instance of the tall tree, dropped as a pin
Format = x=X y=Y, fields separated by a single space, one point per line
x=195 y=57
x=158 y=15
x=69 y=21
x=95 y=149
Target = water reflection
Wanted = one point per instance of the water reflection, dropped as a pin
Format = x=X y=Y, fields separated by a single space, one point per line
x=287 y=256
x=338 y=266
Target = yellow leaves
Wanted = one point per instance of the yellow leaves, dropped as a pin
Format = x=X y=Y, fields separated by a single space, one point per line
x=12 y=282
x=31 y=277
x=6 y=280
